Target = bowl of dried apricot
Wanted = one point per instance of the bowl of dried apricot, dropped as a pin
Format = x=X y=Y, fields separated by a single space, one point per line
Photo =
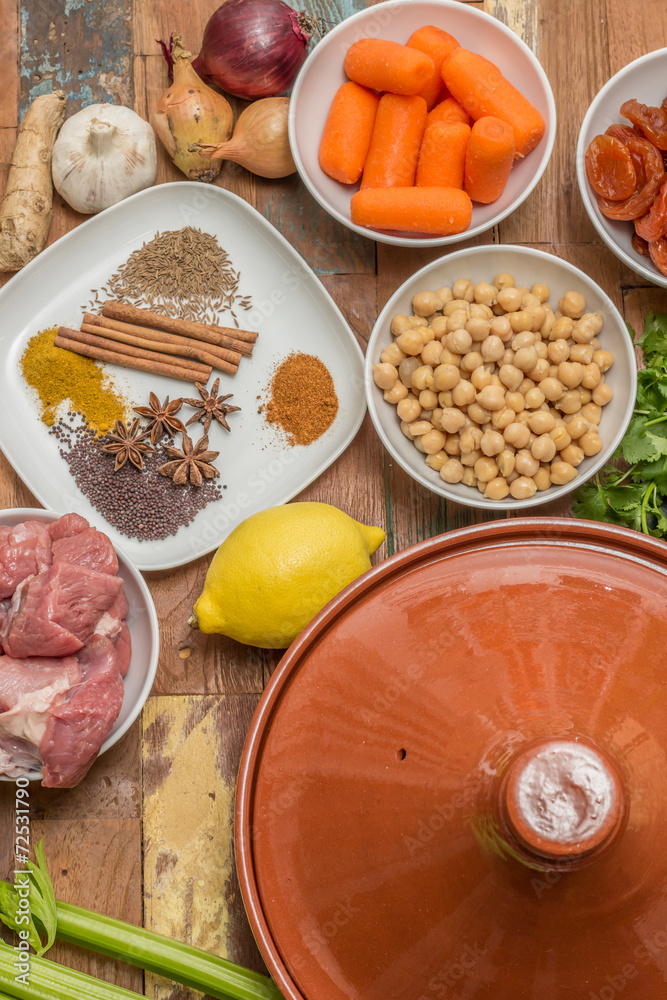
x=500 y=377
x=621 y=165
x=421 y=123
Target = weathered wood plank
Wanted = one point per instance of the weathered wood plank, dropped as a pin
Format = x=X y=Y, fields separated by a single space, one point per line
x=632 y=32
x=82 y=48
x=637 y=302
x=192 y=748
x=9 y=51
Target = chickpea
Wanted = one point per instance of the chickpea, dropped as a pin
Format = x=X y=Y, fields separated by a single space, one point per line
x=572 y=304
x=541 y=291
x=469 y=477
x=433 y=442
x=455 y=304
x=485 y=469
x=517 y=435
x=502 y=328
x=592 y=413
x=384 y=375
x=449 y=358
x=428 y=400
x=439 y=326
x=590 y=443
x=397 y=392
x=525 y=358
x=410 y=342
x=603 y=359
x=446 y=377
x=547 y=326
x=478 y=328
x=541 y=422
x=560 y=437
x=577 y=426
x=542 y=348
x=538 y=313
x=591 y=376
x=500 y=419
x=534 y=398
x=409 y=409
x=432 y=353
x=552 y=388
x=540 y=371
x=405 y=429
x=457 y=319
x=425 y=303
x=453 y=444
x=526 y=384
x=515 y=401
x=481 y=311
x=523 y=488
x=505 y=462
x=469 y=458
x=583 y=353
x=479 y=413
x=458 y=341
x=418 y=321
x=570 y=402
x=562 y=329
x=436 y=461
x=485 y=293
x=583 y=333
x=521 y=321
x=492 y=443
x=464 y=288
x=492 y=349
x=452 y=420
x=570 y=373
x=507 y=358
x=492 y=397
x=480 y=378
x=572 y=454
x=445 y=399
x=471 y=360
x=528 y=300
x=562 y=472
x=405 y=370
x=503 y=280
x=463 y=393
x=400 y=324
x=524 y=463
x=452 y=471
x=542 y=478
x=417 y=442
x=436 y=416
x=496 y=489
x=470 y=440
x=603 y=394
x=422 y=378
x=524 y=339
x=543 y=448
x=509 y=298
x=419 y=427
x=445 y=295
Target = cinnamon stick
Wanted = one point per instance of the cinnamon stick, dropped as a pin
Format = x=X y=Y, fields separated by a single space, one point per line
x=156 y=344
x=147 y=333
x=221 y=336
x=157 y=364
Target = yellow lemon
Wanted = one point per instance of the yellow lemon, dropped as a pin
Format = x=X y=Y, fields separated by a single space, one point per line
x=278 y=568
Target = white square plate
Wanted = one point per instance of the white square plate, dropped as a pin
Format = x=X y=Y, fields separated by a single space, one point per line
x=291 y=309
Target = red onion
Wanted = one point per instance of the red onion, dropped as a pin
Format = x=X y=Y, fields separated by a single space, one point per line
x=254 y=48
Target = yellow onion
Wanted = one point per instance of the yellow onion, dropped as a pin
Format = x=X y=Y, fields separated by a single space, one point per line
x=260 y=142
x=191 y=114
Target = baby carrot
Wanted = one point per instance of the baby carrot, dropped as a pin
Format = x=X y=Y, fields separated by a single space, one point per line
x=347 y=132
x=383 y=65
x=449 y=110
x=434 y=211
x=397 y=135
x=482 y=89
x=442 y=155
x=489 y=159
x=437 y=44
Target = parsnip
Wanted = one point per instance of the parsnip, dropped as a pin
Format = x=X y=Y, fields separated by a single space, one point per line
x=27 y=206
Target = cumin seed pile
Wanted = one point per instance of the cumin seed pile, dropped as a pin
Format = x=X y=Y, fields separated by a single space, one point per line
x=183 y=272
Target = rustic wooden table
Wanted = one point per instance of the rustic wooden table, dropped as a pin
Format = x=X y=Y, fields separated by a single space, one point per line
x=147 y=836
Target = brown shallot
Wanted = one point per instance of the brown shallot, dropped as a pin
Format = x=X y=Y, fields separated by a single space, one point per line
x=260 y=142
x=191 y=114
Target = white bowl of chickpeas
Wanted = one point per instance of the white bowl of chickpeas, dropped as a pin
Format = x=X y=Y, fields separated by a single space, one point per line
x=500 y=377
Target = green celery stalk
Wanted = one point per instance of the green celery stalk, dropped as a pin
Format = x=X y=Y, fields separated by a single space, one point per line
x=159 y=954
x=49 y=981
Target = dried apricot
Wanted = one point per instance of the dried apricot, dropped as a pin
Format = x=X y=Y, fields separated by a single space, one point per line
x=639 y=202
x=610 y=169
x=651 y=120
x=653 y=225
x=658 y=252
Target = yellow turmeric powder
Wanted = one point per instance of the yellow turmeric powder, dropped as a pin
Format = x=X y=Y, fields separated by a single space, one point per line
x=57 y=375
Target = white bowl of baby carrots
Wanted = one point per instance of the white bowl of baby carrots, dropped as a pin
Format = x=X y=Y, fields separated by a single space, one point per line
x=393 y=166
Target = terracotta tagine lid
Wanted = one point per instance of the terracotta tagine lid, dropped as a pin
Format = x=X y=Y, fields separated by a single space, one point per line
x=455 y=784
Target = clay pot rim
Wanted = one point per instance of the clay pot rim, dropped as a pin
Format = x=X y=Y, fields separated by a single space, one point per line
x=564 y=530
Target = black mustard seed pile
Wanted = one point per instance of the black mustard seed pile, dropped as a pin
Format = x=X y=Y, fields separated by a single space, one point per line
x=143 y=505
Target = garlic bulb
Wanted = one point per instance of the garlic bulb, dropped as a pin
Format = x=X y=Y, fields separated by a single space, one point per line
x=104 y=153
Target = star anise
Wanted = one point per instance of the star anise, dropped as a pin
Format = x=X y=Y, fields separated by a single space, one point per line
x=210 y=407
x=191 y=462
x=124 y=443
x=161 y=417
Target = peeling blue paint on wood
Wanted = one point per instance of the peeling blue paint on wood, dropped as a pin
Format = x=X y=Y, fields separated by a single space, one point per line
x=83 y=47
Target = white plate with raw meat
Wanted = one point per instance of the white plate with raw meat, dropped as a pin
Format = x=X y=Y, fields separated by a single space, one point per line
x=79 y=641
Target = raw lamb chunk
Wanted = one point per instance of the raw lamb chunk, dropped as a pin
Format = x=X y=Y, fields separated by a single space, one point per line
x=67 y=525
x=27 y=719
x=17 y=757
x=25 y=550
x=57 y=611
x=89 y=548
x=77 y=728
x=22 y=676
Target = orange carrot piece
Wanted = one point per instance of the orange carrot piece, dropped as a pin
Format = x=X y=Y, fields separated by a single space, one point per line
x=489 y=159
x=383 y=65
x=442 y=155
x=437 y=44
x=435 y=211
x=397 y=135
x=482 y=89
x=347 y=132
x=449 y=110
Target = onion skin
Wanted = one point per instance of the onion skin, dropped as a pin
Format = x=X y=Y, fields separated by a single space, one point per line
x=253 y=48
x=190 y=113
x=260 y=142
